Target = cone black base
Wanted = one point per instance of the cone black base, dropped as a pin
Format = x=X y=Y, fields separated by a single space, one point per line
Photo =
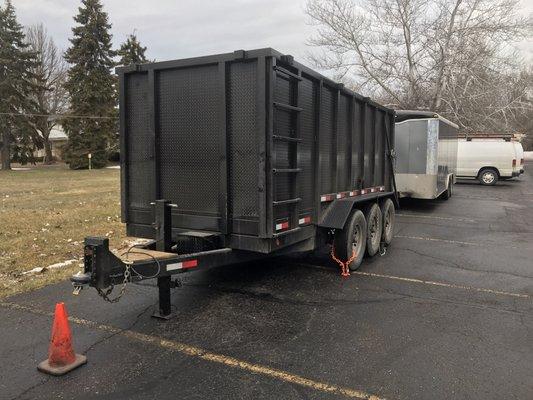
x=61 y=370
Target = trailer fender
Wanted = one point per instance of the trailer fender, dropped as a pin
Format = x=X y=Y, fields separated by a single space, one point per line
x=449 y=178
x=453 y=178
x=337 y=213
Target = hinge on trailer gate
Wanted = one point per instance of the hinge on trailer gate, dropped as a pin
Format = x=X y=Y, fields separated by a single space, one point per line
x=287 y=59
x=239 y=54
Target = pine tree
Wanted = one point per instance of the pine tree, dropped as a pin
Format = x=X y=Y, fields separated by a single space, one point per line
x=131 y=51
x=16 y=63
x=91 y=123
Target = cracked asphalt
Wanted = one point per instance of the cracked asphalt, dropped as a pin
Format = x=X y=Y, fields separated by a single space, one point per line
x=412 y=325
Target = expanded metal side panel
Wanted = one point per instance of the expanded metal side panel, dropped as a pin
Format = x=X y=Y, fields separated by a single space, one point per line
x=369 y=146
x=343 y=144
x=282 y=92
x=389 y=129
x=188 y=101
x=243 y=142
x=357 y=145
x=140 y=144
x=308 y=92
x=379 y=166
x=327 y=138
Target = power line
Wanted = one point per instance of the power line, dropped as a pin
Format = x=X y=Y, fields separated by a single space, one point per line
x=57 y=115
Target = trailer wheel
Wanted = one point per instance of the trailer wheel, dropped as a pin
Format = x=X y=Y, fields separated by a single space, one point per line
x=374 y=228
x=388 y=217
x=488 y=176
x=352 y=238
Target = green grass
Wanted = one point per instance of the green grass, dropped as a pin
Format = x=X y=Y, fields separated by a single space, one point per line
x=45 y=213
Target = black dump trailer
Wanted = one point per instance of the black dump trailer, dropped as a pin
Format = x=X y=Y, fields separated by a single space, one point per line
x=235 y=157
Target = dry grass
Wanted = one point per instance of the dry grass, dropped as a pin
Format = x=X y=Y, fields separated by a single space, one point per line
x=45 y=213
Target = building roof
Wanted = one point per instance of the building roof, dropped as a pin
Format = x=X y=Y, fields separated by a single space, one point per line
x=57 y=133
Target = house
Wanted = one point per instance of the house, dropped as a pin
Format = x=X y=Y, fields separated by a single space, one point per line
x=58 y=139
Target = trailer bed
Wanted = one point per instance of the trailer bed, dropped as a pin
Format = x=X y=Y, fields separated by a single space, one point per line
x=139 y=256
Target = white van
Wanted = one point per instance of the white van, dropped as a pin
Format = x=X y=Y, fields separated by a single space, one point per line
x=519 y=150
x=486 y=160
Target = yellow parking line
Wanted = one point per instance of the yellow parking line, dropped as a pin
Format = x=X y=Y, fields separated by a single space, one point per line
x=197 y=352
x=436 y=217
x=430 y=239
x=438 y=240
x=443 y=284
x=425 y=282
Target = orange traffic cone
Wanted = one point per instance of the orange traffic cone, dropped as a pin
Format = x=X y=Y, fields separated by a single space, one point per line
x=61 y=356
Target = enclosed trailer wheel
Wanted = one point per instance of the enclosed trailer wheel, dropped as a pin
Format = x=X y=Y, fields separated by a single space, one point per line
x=388 y=215
x=352 y=238
x=373 y=229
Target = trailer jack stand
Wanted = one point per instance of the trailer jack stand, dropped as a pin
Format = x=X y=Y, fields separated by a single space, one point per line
x=164 y=311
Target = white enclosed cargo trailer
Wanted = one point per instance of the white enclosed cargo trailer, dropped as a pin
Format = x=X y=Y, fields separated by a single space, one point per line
x=426 y=154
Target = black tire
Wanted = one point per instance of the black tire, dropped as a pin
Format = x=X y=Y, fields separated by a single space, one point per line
x=388 y=217
x=352 y=237
x=488 y=176
x=373 y=229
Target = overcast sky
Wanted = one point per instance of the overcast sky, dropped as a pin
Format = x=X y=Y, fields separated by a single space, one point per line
x=174 y=29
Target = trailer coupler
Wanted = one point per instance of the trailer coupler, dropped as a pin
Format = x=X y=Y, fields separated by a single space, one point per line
x=79 y=281
x=101 y=268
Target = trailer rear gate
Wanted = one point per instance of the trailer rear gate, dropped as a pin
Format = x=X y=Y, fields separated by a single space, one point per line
x=251 y=145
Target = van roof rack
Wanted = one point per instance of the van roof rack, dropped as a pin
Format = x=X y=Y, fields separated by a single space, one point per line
x=469 y=136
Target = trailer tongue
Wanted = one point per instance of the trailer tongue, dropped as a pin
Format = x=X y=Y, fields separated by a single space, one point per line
x=104 y=269
x=256 y=156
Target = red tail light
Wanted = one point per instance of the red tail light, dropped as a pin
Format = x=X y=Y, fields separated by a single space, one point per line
x=514 y=162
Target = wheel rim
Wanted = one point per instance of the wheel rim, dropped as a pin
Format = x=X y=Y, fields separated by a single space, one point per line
x=373 y=228
x=356 y=238
x=488 y=177
x=388 y=221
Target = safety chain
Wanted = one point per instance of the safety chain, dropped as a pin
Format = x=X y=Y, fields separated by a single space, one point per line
x=105 y=294
x=345 y=269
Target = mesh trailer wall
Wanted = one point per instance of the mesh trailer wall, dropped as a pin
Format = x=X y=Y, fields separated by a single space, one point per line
x=245 y=144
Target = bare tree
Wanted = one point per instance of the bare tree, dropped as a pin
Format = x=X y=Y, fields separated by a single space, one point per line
x=436 y=54
x=50 y=95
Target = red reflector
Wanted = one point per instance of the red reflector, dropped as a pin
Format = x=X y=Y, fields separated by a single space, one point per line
x=304 y=220
x=189 y=264
x=283 y=225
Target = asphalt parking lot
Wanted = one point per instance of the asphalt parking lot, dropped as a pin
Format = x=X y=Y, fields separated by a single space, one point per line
x=445 y=314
